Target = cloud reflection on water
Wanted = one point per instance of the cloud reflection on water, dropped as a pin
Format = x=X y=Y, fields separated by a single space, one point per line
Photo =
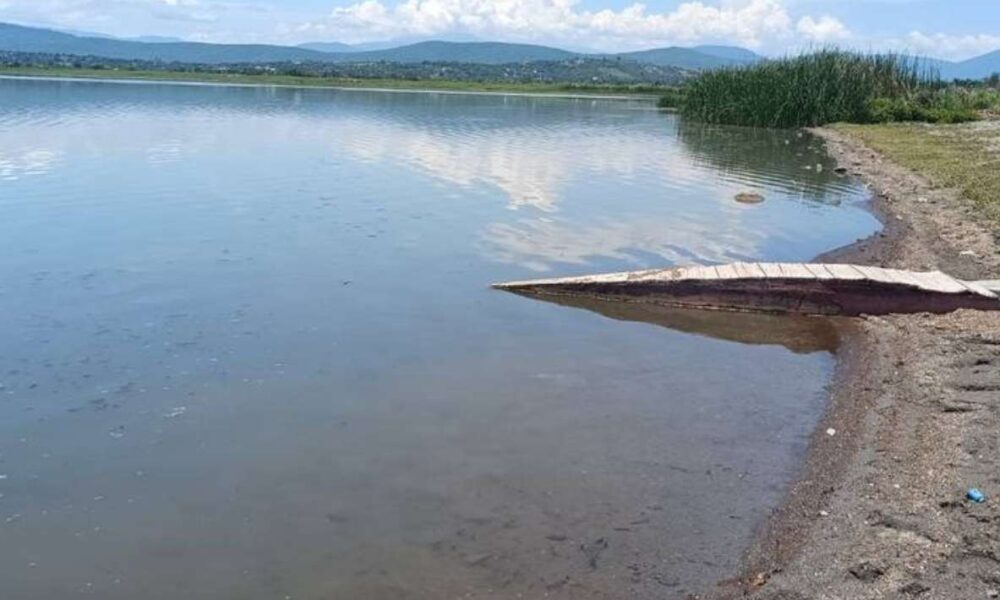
x=26 y=162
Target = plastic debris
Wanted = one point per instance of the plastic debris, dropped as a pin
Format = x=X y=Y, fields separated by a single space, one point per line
x=180 y=410
x=831 y=432
x=975 y=495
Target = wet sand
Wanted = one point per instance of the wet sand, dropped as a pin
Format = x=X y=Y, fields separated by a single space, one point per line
x=913 y=422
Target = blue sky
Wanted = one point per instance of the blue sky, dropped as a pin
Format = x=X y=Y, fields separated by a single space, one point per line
x=946 y=28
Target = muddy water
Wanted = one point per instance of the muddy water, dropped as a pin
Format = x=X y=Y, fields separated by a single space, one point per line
x=248 y=349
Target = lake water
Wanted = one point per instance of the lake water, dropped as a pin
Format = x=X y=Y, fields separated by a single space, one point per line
x=249 y=350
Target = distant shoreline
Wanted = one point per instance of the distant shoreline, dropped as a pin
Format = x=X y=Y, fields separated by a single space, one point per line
x=375 y=85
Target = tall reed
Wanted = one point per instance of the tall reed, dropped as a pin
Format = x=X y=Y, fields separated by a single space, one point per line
x=813 y=89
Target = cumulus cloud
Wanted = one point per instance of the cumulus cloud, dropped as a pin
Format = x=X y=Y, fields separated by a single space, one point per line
x=949 y=46
x=769 y=26
x=124 y=17
x=823 y=30
x=748 y=22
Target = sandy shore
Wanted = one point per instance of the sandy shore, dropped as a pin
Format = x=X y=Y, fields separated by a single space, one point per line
x=879 y=511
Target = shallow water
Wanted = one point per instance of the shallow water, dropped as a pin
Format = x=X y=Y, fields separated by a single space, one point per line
x=249 y=350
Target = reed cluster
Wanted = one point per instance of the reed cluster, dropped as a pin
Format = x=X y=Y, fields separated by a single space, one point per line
x=828 y=86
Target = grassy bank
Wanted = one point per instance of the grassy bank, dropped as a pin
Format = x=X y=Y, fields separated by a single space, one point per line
x=963 y=157
x=829 y=87
x=336 y=82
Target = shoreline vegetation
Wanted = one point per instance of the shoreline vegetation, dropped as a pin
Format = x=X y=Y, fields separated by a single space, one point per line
x=963 y=158
x=445 y=85
x=831 y=86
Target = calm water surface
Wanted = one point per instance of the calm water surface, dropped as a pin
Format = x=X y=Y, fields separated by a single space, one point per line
x=249 y=351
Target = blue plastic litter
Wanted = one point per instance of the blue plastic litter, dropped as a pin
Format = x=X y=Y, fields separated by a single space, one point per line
x=976 y=496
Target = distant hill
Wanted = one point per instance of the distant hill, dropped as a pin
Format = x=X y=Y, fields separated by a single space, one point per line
x=29 y=39
x=17 y=38
x=155 y=39
x=975 y=68
x=328 y=47
x=694 y=59
x=733 y=53
x=485 y=53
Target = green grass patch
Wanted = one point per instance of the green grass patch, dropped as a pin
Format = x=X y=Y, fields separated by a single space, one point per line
x=827 y=87
x=964 y=157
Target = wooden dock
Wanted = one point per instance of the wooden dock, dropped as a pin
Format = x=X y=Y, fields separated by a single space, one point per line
x=798 y=288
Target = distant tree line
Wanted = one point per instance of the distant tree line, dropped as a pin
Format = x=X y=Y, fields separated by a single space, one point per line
x=588 y=71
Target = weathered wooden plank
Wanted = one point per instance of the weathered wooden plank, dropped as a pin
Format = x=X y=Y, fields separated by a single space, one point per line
x=652 y=275
x=795 y=271
x=727 y=272
x=904 y=278
x=797 y=288
x=992 y=285
x=771 y=270
x=819 y=271
x=845 y=272
x=938 y=282
x=748 y=271
x=876 y=274
x=699 y=272
x=977 y=288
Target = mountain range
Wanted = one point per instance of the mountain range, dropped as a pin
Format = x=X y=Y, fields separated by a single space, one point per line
x=17 y=38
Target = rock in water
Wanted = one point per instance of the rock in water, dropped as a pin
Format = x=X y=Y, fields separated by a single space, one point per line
x=749 y=198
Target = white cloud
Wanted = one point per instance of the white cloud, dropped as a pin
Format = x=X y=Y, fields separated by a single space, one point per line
x=949 y=46
x=748 y=22
x=769 y=26
x=823 y=30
